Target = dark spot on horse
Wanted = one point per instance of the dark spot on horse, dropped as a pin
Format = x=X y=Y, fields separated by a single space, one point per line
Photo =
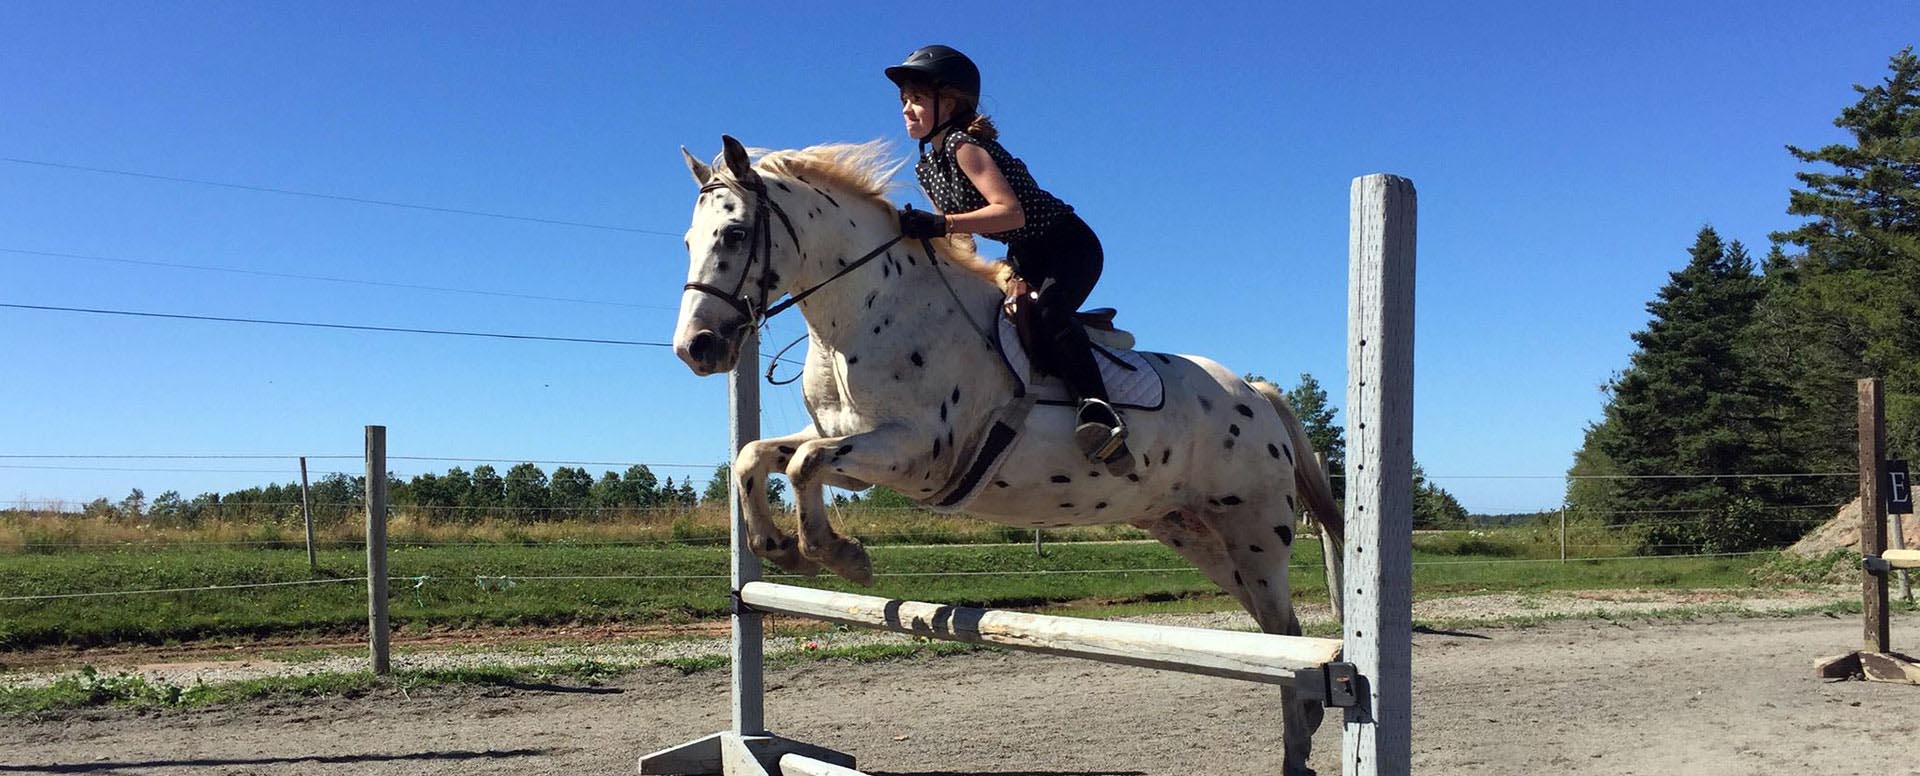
x=1101 y=505
x=1205 y=405
x=943 y=412
x=1229 y=443
x=851 y=360
x=1163 y=358
x=842 y=261
x=1289 y=502
x=949 y=437
x=1133 y=478
x=911 y=261
x=727 y=207
x=1001 y=484
x=783 y=187
x=1236 y=579
x=1263 y=583
x=1232 y=501
x=830 y=199
x=843 y=450
x=852 y=224
x=926 y=490
x=1093 y=474
x=1273 y=451
x=1286 y=534
x=871 y=295
x=746 y=486
x=1243 y=410
x=1067 y=505
x=956 y=396
x=917 y=359
x=1164 y=455
x=1176 y=542
x=1213 y=501
x=936 y=447
x=785 y=449
x=767 y=544
x=1289 y=453
x=1255 y=548
x=1233 y=428
x=876 y=330
x=1060 y=478
x=885 y=272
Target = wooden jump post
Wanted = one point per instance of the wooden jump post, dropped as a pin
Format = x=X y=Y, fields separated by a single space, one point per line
x=1875 y=661
x=1374 y=686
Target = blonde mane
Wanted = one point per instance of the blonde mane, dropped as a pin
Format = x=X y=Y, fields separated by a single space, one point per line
x=866 y=169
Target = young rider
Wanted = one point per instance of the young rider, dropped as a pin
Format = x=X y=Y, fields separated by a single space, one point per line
x=979 y=188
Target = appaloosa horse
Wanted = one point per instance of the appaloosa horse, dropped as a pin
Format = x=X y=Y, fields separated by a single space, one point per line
x=904 y=383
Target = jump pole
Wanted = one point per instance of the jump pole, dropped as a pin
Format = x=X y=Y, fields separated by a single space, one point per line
x=1373 y=684
x=1875 y=660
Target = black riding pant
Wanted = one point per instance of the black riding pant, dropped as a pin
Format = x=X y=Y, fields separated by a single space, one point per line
x=1063 y=264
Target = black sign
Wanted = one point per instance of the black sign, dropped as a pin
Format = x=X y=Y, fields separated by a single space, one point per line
x=1899 y=489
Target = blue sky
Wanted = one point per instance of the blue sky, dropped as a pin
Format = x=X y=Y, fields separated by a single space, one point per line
x=1565 y=154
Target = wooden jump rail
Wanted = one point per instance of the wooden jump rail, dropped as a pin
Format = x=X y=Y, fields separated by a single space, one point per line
x=1374 y=684
x=1255 y=657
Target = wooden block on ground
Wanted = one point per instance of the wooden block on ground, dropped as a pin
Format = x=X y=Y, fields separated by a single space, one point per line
x=1890 y=667
x=1844 y=666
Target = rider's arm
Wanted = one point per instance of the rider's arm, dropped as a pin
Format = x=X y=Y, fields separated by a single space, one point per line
x=1002 y=212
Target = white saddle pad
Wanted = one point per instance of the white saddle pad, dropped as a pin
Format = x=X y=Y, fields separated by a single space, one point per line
x=1132 y=383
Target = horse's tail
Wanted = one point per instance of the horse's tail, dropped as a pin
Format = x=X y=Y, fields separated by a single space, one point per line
x=1314 y=486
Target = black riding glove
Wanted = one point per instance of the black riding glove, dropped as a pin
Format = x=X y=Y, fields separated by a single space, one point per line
x=921 y=224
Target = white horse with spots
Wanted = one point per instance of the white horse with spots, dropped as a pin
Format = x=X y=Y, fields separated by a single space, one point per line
x=899 y=384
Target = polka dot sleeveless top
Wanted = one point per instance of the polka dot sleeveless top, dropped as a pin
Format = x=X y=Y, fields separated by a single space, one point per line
x=952 y=192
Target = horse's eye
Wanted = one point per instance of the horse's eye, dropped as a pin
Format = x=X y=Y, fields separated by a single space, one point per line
x=733 y=236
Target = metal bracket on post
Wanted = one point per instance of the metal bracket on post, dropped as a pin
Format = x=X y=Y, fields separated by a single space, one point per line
x=1876 y=565
x=1334 y=685
x=737 y=607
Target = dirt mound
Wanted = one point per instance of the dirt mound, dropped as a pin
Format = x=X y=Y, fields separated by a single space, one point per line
x=1843 y=533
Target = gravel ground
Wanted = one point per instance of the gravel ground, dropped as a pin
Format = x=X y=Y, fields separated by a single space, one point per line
x=1708 y=695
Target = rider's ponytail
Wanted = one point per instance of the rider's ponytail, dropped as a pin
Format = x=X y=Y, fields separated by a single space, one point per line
x=978 y=124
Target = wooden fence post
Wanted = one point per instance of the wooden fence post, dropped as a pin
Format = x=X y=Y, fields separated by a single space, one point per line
x=1873 y=512
x=306 y=513
x=377 y=549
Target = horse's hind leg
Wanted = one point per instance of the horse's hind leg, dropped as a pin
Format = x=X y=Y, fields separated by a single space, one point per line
x=756 y=461
x=1248 y=556
x=1259 y=542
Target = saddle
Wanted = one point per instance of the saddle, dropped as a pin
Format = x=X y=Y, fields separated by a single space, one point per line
x=1098 y=323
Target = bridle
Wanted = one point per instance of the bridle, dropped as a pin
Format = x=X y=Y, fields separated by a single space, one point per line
x=760 y=249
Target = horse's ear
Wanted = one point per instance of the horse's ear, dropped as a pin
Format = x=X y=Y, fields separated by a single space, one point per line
x=738 y=164
x=701 y=172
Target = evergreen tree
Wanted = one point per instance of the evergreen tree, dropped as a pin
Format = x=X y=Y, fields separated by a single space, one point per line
x=1309 y=402
x=640 y=488
x=718 y=486
x=1848 y=306
x=1687 y=404
x=570 y=492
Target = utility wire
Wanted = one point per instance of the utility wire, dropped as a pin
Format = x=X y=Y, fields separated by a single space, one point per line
x=347 y=326
x=327 y=279
x=337 y=197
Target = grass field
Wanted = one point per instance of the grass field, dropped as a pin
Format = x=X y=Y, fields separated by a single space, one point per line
x=548 y=584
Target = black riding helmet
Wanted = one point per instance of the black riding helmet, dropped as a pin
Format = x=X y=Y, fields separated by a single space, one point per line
x=940 y=66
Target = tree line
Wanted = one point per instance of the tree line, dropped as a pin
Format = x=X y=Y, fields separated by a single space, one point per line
x=1747 y=367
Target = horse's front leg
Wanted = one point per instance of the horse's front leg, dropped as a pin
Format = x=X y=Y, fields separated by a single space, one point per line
x=862 y=457
x=757 y=460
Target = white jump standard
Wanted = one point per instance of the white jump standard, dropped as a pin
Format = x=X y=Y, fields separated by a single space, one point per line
x=756 y=237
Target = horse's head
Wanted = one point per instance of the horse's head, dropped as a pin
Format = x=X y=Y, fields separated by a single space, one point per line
x=739 y=246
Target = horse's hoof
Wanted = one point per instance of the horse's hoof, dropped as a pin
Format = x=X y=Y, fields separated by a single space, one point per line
x=1301 y=771
x=788 y=557
x=850 y=560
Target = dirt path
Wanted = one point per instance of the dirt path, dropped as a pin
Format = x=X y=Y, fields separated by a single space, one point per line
x=1731 y=696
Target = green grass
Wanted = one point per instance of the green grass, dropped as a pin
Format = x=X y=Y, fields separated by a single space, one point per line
x=450 y=596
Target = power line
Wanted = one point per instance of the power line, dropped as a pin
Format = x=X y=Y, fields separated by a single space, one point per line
x=338 y=197
x=327 y=279
x=347 y=326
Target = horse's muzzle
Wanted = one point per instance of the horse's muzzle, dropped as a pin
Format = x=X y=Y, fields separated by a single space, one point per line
x=705 y=352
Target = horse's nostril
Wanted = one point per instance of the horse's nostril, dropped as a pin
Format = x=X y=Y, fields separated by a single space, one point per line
x=702 y=346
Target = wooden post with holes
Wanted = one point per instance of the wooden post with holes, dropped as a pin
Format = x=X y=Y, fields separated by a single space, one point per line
x=1379 y=570
x=743 y=389
x=377 y=549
